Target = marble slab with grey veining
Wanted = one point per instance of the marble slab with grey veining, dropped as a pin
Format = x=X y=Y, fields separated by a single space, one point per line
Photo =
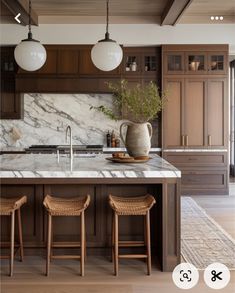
x=46 y=166
x=46 y=117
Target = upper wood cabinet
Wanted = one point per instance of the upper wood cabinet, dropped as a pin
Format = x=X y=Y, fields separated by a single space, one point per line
x=68 y=61
x=195 y=113
x=141 y=61
x=172 y=113
x=86 y=66
x=193 y=120
x=195 y=59
x=50 y=66
x=216 y=112
x=173 y=63
x=10 y=101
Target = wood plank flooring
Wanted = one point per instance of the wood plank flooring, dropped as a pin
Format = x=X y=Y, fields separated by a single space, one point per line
x=29 y=276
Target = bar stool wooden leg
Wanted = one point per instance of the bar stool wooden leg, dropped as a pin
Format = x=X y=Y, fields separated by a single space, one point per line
x=48 y=244
x=82 y=244
x=51 y=252
x=112 y=238
x=12 y=242
x=20 y=234
x=116 y=244
x=148 y=243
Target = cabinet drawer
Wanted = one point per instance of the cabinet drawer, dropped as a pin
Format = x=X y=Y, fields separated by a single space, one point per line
x=204 y=179
x=197 y=159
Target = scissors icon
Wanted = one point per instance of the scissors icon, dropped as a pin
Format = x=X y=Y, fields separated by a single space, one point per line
x=215 y=276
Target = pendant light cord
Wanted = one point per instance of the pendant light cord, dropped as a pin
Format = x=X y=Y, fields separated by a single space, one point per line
x=30 y=36
x=107 y=20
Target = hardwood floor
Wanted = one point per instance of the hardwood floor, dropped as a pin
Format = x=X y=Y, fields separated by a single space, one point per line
x=29 y=276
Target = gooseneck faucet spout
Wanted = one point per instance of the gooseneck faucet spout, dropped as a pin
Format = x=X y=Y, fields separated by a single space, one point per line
x=69 y=131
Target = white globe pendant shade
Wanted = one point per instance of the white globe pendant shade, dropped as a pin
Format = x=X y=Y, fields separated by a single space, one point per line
x=106 y=55
x=30 y=55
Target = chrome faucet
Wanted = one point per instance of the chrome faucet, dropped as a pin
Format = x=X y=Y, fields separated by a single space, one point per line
x=69 y=130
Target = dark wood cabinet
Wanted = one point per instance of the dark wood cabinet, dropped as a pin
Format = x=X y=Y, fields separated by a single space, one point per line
x=141 y=61
x=68 y=61
x=86 y=66
x=10 y=102
x=50 y=66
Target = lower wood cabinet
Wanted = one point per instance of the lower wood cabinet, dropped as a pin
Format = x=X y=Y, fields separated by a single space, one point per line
x=202 y=172
x=204 y=182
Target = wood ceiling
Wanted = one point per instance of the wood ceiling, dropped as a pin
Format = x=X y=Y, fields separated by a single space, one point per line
x=164 y=12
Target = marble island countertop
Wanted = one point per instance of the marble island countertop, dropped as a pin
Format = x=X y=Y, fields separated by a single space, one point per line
x=46 y=166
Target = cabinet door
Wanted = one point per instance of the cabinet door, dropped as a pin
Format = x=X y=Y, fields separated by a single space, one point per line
x=196 y=63
x=132 y=63
x=174 y=63
x=67 y=61
x=50 y=66
x=86 y=65
x=193 y=118
x=172 y=113
x=10 y=101
x=216 y=105
x=217 y=63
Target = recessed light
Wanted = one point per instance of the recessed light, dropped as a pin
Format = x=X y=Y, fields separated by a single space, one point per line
x=221 y=18
x=212 y=18
x=217 y=18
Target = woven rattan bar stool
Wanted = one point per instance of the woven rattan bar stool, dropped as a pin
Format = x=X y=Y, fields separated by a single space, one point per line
x=8 y=207
x=131 y=206
x=66 y=207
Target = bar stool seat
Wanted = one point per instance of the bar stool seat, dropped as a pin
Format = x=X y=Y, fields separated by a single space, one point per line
x=8 y=207
x=131 y=206
x=128 y=206
x=66 y=207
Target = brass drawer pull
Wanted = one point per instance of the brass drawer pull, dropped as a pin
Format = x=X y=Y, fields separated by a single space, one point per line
x=186 y=140
x=209 y=140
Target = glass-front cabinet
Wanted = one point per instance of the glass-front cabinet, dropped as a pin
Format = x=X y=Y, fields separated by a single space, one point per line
x=139 y=61
x=196 y=63
x=217 y=63
x=174 y=63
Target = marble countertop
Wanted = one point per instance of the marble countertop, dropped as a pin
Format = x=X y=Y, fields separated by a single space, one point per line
x=123 y=149
x=46 y=166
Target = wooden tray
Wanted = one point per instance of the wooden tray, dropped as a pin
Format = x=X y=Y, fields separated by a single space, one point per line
x=127 y=160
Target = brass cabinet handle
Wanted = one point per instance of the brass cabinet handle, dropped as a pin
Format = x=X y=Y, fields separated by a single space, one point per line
x=182 y=140
x=186 y=140
x=209 y=140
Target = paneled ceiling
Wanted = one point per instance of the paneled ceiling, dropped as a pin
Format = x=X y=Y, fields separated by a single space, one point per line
x=164 y=12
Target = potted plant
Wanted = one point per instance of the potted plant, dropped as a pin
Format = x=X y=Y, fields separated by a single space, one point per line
x=138 y=105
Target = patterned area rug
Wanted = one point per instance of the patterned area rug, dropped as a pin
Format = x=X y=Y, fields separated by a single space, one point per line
x=203 y=241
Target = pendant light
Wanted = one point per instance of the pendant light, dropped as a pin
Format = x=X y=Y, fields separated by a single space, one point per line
x=30 y=55
x=106 y=54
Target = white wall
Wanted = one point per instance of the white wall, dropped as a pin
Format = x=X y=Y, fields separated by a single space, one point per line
x=127 y=34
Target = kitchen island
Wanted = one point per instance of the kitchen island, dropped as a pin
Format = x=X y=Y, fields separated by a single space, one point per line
x=36 y=175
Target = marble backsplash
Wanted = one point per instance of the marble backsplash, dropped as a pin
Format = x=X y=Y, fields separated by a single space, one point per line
x=46 y=117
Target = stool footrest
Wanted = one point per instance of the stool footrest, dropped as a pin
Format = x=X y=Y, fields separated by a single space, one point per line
x=132 y=256
x=131 y=243
x=65 y=244
x=65 y=256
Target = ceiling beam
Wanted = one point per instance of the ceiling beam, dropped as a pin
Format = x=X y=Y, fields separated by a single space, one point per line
x=174 y=11
x=22 y=7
